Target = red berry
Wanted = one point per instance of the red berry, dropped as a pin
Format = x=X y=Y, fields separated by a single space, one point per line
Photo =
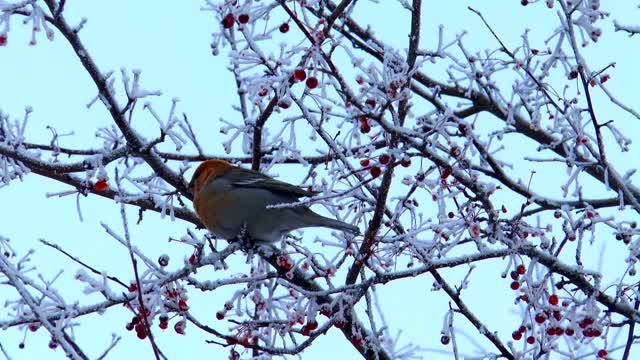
x=521 y=269
x=299 y=74
x=573 y=74
x=129 y=326
x=312 y=82
x=163 y=325
x=557 y=315
x=101 y=186
x=515 y=285
x=284 y=262
x=182 y=305
x=133 y=287
x=234 y=355
x=514 y=275
x=375 y=172
x=585 y=322
x=219 y=315
x=21 y=345
x=312 y=325
x=364 y=162
x=243 y=18
x=141 y=332
x=326 y=311
x=357 y=342
x=365 y=127
x=553 y=299
x=384 y=159
x=531 y=340
x=522 y=329
x=405 y=162
x=228 y=21
x=602 y=353
x=371 y=103
x=284 y=28
x=445 y=340
x=3 y=40
x=540 y=318
x=192 y=259
x=569 y=332
x=53 y=344
x=244 y=341
x=163 y=260
x=451 y=215
x=284 y=103
x=516 y=335
x=524 y=2
x=263 y=92
x=305 y=331
x=180 y=327
x=445 y=172
x=454 y=151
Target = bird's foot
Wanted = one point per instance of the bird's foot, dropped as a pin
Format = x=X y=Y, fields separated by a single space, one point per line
x=243 y=238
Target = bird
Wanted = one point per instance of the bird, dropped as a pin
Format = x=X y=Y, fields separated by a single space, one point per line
x=229 y=199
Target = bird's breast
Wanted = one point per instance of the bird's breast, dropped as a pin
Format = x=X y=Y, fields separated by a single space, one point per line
x=214 y=209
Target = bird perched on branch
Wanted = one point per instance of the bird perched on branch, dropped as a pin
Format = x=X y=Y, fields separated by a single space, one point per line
x=228 y=198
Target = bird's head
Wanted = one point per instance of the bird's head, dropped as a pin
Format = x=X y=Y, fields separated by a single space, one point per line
x=206 y=172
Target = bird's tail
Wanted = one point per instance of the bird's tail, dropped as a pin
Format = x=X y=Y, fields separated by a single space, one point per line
x=336 y=224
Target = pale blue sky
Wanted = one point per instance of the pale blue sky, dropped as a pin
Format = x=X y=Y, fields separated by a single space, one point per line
x=169 y=42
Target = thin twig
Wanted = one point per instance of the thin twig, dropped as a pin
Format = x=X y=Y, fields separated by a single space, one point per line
x=82 y=263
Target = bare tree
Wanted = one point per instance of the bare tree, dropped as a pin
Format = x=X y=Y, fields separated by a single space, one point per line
x=412 y=141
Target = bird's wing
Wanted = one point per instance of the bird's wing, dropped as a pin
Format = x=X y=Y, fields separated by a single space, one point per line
x=253 y=179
